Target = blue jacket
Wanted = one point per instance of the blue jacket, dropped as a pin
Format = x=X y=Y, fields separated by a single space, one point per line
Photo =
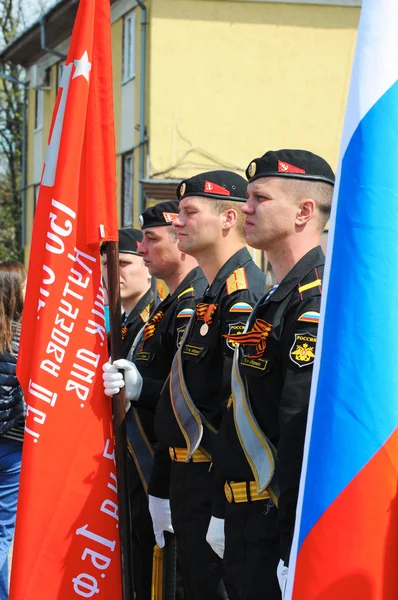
x=12 y=406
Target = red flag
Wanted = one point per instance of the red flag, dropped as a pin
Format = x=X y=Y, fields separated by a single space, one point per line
x=67 y=541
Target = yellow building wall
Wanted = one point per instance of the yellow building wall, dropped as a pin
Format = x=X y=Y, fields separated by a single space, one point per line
x=117 y=46
x=230 y=80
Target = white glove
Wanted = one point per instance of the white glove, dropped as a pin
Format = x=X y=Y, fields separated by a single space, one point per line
x=114 y=381
x=282 y=573
x=215 y=536
x=161 y=518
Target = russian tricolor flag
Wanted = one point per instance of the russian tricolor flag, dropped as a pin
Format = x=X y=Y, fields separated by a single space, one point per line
x=346 y=539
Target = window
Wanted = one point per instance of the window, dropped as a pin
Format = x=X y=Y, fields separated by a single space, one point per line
x=128 y=189
x=39 y=109
x=129 y=47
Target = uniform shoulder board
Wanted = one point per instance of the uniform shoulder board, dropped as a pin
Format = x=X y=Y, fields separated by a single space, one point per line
x=312 y=288
x=189 y=291
x=145 y=313
x=237 y=281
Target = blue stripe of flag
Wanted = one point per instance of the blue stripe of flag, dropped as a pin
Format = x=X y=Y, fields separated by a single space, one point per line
x=356 y=406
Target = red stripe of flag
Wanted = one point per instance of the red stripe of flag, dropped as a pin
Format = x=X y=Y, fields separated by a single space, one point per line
x=351 y=552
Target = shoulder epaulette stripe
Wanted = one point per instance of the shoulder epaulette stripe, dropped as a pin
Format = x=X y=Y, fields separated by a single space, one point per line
x=237 y=281
x=145 y=313
x=190 y=289
x=308 y=286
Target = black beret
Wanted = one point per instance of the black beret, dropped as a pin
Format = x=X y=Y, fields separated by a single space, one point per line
x=128 y=241
x=295 y=164
x=162 y=213
x=215 y=185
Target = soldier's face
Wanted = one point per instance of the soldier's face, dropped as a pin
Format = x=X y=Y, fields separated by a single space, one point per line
x=198 y=226
x=159 y=251
x=134 y=276
x=270 y=213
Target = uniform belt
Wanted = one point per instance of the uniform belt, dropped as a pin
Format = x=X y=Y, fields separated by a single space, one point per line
x=243 y=491
x=181 y=455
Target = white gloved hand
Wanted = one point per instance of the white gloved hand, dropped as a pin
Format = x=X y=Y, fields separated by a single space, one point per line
x=282 y=573
x=215 y=536
x=161 y=518
x=114 y=381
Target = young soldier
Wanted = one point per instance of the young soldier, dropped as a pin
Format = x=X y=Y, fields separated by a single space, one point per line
x=137 y=298
x=210 y=228
x=151 y=358
x=259 y=446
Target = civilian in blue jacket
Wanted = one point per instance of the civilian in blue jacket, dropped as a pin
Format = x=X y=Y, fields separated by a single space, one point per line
x=12 y=407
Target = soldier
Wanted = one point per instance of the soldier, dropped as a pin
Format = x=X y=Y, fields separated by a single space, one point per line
x=149 y=366
x=137 y=297
x=259 y=446
x=210 y=228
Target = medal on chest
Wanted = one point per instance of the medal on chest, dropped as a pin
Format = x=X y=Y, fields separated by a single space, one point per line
x=205 y=312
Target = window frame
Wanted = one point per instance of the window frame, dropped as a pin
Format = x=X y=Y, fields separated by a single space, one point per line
x=128 y=198
x=128 y=49
x=39 y=109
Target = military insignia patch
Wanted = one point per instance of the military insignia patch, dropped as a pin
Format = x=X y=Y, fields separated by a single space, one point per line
x=241 y=307
x=252 y=169
x=180 y=333
x=140 y=220
x=185 y=312
x=234 y=329
x=311 y=316
x=183 y=187
x=302 y=352
x=169 y=217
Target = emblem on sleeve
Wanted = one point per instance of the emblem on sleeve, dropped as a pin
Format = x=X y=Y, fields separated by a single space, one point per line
x=302 y=353
x=180 y=333
x=234 y=329
x=311 y=316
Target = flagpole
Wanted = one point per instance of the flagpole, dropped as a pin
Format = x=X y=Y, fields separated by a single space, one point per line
x=119 y=424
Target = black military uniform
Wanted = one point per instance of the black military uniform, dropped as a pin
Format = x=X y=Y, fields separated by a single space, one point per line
x=142 y=531
x=206 y=364
x=132 y=322
x=274 y=361
x=153 y=356
x=136 y=319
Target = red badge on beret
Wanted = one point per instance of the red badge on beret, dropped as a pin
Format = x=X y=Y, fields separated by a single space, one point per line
x=213 y=188
x=284 y=167
x=169 y=217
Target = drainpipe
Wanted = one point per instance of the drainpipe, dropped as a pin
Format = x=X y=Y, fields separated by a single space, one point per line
x=43 y=41
x=142 y=142
x=24 y=147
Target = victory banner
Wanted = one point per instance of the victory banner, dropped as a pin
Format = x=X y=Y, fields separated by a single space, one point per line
x=67 y=534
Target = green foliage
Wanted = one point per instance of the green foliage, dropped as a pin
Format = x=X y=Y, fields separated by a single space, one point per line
x=11 y=126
